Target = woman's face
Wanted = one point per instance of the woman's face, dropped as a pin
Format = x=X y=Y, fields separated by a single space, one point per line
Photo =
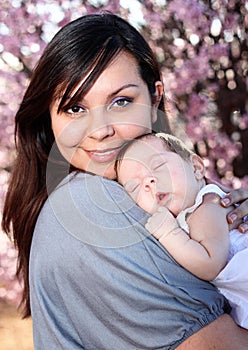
x=117 y=108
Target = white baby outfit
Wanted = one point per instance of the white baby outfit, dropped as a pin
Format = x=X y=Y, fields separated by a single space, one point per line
x=232 y=281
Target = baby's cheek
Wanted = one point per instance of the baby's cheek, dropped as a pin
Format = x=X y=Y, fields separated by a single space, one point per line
x=147 y=203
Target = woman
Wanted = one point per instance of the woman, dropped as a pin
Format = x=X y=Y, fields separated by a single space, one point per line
x=97 y=280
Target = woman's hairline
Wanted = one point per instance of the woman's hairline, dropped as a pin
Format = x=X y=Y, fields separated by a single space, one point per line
x=60 y=90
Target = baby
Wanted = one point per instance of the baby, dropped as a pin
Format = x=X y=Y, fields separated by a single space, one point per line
x=167 y=180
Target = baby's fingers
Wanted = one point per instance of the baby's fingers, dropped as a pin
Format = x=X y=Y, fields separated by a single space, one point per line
x=153 y=224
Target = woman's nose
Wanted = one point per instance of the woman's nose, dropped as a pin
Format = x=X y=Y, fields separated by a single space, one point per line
x=100 y=126
x=149 y=183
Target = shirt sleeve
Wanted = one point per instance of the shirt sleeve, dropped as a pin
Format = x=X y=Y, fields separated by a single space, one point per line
x=98 y=280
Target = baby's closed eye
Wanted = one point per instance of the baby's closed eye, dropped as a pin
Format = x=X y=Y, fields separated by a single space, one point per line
x=131 y=186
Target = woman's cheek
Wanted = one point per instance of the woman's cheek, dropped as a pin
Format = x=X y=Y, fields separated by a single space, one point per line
x=137 y=125
x=68 y=134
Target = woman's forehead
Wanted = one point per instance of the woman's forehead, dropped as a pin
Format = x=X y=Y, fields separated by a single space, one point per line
x=121 y=70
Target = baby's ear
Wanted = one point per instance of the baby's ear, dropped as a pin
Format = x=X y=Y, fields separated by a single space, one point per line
x=199 y=168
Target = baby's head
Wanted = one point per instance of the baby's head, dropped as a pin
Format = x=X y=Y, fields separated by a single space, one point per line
x=160 y=170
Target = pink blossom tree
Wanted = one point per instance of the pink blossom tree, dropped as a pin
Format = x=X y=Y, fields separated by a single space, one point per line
x=203 y=50
x=202 y=47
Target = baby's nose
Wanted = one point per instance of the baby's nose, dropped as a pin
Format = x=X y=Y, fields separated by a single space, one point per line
x=149 y=183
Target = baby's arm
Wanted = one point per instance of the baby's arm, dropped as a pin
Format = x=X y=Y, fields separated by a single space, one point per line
x=203 y=252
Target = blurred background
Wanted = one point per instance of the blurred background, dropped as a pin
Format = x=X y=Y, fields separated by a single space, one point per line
x=202 y=47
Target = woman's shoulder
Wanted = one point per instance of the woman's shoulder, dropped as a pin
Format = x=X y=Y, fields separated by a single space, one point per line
x=91 y=194
x=82 y=185
x=94 y=210
x=85 y=191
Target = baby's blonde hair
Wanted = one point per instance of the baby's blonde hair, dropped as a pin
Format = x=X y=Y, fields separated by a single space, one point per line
x=172 y=144
x=175 y=145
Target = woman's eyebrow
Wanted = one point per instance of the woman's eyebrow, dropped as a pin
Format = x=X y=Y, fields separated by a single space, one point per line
x=112 y=94
x=126 y=86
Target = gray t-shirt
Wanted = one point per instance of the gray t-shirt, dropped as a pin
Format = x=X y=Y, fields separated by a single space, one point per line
x=99 y=280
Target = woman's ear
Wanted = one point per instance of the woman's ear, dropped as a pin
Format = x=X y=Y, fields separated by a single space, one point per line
x=199 y=168
x=156 y=99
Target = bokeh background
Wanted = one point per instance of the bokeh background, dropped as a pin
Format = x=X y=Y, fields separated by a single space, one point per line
x=202 y=47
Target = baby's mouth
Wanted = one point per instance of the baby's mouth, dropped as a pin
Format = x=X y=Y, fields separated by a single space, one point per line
x=162 y=198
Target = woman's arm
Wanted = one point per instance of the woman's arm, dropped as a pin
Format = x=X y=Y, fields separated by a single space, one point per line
x=222 y=334
x=204 y=250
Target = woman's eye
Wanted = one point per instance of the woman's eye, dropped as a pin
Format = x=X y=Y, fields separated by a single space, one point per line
x=75 y=110
x=120 y=102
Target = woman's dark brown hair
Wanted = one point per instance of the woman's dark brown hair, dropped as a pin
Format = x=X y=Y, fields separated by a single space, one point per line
x=85 y=45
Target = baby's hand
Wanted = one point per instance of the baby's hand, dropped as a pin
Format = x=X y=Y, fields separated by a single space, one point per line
x=161 y=223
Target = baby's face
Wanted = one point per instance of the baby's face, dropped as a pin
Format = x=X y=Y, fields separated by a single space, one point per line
x=154 y=176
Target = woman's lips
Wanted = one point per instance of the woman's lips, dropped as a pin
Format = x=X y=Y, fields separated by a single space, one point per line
x=103 y=156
